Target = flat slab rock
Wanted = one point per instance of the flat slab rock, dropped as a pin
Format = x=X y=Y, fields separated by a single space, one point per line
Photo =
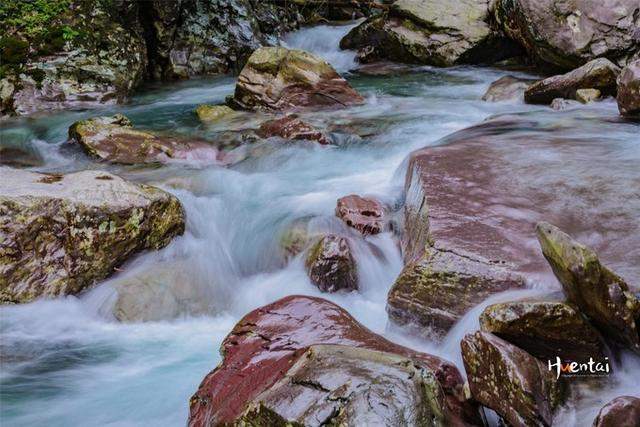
x=60 y=234
x=267 y=342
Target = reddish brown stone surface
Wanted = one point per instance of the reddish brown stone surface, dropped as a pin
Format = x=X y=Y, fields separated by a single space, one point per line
x=267 y=341
x=291 y=127
x=362 y=213
x=623 y=411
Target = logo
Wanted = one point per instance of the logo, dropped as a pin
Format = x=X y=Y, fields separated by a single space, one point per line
x=591 y=368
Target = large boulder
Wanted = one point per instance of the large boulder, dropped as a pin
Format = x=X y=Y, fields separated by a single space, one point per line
x=623 y=411
x=62 y=233
x=292 y=128
x=598 y=74
x=331 y=266
x=629 y=90
x=597 y=291
x=365 y=214
x=433 y=293
x=269 y=341
x=509 y=380
x=428 y=32
x=545 y=329
x=569 y=34
x=507 y=88
x=114 y=140
x=281 y=79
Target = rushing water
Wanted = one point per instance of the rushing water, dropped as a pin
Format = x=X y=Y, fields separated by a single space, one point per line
x=68 y=362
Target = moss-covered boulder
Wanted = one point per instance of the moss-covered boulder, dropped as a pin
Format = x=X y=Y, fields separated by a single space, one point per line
x=545 y=329
x=429 y=32
x=331 y=266
x=62 y=233
x=433 y=293
x=570 y=34
x=510 y=381
x=629 y=90
x=597 y=291
x=280 y=79
x=623 y=411
x=113 y=139
x=598 y=74
x=213 y=113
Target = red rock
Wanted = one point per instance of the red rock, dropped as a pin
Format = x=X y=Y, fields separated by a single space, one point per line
x=623 y=411
x=291 y=127
x=362 y=213
x=269 y=340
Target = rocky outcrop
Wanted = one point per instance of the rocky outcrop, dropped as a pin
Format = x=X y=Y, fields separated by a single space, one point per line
x=544 y=329
x=570 y=34
x=429 y=32
x=280 y=79
x=365 y=214
x=509 y=380
x=331 y=266
x=114 y=140
x=598 y=74
x=62 y=233
x=269 y=341
x=507 y=88
x=598 y=292
x=623 y=411
x=292 y=128
x=213 y=113
x=629 y=90
x=433 y=293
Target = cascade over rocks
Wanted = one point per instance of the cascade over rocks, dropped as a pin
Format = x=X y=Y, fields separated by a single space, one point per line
x=623 y=411
x=597 y=291
x=278 y=343
x=570 y=34
x=331 y=266
x=281 y=79
x=63 y=233
x=114 y=140
x=598 y=74
x=365 y=214
x=292 y=128
x=629 y=90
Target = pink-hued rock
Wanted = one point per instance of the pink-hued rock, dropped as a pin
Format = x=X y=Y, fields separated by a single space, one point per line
x=362 y=213
x=291 y=127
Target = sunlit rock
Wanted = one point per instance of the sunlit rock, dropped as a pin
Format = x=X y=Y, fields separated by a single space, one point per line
x=586 y=96
x=507 y=88
x=271 y=345
x=62 y=233
x=629 y=90
x=331 y=266
x=281 y=79
x=365 y=214
x=597 y=291
x=292 y=128
x=213 y=113
x=623 y=411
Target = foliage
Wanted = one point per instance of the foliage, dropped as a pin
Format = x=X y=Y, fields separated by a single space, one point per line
x=32 y=18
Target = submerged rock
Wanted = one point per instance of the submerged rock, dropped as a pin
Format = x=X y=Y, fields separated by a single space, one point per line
x=428 y=32
x=280 y=79
x=545 y=329
x=598 y=74
x=213 y=113
x=623 y=411
x=629 y=90
x=432 y=294
x=331 y=266
x=569 y=34
x=63 y=233
x=507 y=88
x=362 y=213
x=509 y=380
x=269 y=341
x=114 y=140
x=291 y=127
x=560 y=104
x=598 y=292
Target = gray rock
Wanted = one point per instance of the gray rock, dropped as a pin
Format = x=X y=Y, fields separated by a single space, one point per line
x=507 y=88
x=629 y=90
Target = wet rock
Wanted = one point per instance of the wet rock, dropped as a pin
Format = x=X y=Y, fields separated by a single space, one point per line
x=267 y=342
x=294 y=239
x=598 y=292
x=507 y=88
x=342 y=385
x=509 y=380
x=623 y=411
x=544 y=329
x=213 y=113
x=114 y=140
x=362 y=213
x=428 y=32
x=432 y=294
x=331 y=266
x=560 y=104
x=629 y=90
x=280 y=79
x=62 y=233
x=598 y=74
x=586 y=96
x=292 y=128
x=568 y=35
